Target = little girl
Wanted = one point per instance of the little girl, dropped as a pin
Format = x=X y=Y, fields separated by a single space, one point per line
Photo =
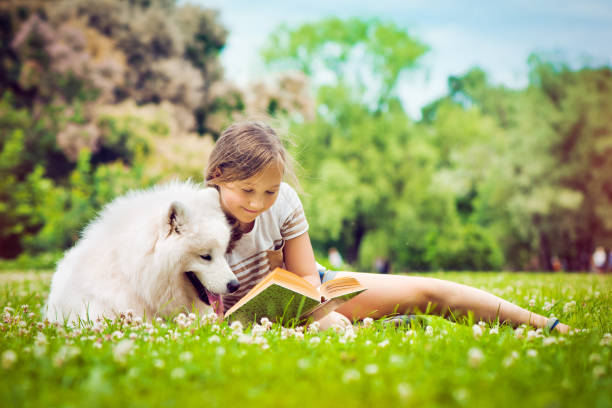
x=247 y=166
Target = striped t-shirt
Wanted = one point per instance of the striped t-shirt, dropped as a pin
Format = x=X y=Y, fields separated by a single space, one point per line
x=260 y=250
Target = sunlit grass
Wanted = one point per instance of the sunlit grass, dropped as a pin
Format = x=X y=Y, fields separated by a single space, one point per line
x=193 y=361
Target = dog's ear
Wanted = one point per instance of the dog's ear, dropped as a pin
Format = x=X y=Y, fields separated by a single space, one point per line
x=177 y=217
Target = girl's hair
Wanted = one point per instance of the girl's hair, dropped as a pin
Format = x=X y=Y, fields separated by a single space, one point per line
x=243 y=150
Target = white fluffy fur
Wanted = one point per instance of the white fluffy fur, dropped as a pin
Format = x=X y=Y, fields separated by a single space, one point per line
x=132 y=257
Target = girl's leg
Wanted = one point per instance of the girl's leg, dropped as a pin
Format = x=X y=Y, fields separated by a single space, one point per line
x=388 y=294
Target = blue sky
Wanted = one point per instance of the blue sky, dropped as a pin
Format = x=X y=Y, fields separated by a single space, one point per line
x=496 y=36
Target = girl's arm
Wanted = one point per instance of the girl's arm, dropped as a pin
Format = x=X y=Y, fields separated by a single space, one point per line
x=299 y=258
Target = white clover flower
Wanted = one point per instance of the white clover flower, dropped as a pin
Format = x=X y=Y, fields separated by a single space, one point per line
x=315 y=340
x=475 y=357
x=461 y=394
x=396 y=359
x=209 y=318
x=122 y=349
x=548 y=306
x=314 y=327
x=9 y=358
x=266 y=323
x=338 y=328
x=481 y=323
x=186 y=356
x=532 y=302
x=159 y=363
x=214 y=339
x=404 y=390
x=41 y=339
x=494 y=330
x=532 y=353
x=178 y=373
x=429 y=331
x=599 y=371
x=547 y=341
x=64 y=354
x=367 y=322
x=133 y=336
x=349 y=334
x=508 y=361
x=192 y=316
x=117 y=334
x=477 y=331
x=606 y=340
x=219 y=351
x=159 y=320
x=258 y=330
x=39 y=350
x=531 y=334
x=370 y=369
x=594 y=358
x=236 y=326
x=259 y=340
x=410 y=333
x=351 y=375
x=303 y=363
x=569 y=306
x=518 y=332
x=138 y=320
x=383 y=343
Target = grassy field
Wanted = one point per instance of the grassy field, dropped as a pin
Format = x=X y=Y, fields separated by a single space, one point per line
x=191 y=361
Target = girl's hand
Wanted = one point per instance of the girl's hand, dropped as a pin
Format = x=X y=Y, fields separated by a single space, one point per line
x=334 y=318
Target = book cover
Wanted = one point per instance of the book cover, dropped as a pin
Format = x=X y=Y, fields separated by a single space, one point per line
x=286 y=298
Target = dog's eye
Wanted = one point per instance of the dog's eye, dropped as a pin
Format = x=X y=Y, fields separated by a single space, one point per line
x=206 y=257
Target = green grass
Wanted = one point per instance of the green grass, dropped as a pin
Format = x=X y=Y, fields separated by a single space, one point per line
x=179 y=363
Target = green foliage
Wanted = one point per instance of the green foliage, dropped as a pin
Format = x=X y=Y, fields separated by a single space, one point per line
x=490 y=177
x=64 y=151
x=40 y=214
x=380 y=185
x=66 y=210
x=368 y=55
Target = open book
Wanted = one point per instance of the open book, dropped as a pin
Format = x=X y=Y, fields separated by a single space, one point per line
x=283 y=296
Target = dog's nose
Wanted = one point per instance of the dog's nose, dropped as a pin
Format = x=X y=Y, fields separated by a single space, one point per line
x=233 y=285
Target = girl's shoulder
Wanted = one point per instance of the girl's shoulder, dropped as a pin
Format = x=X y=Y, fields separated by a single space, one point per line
x=287 y=196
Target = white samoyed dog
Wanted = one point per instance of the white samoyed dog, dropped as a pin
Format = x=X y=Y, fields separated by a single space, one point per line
x=155 y=252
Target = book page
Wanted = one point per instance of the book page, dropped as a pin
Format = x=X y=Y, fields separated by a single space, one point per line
x=340 y=286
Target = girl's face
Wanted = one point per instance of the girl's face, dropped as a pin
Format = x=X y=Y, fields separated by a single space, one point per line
x=246 y=199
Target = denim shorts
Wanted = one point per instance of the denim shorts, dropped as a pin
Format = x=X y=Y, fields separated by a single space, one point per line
x=325 y=274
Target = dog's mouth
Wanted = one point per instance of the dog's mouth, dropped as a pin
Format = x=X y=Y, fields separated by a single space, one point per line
x=206 y=296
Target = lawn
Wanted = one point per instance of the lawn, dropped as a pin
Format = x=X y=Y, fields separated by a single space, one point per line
x=193 y=361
